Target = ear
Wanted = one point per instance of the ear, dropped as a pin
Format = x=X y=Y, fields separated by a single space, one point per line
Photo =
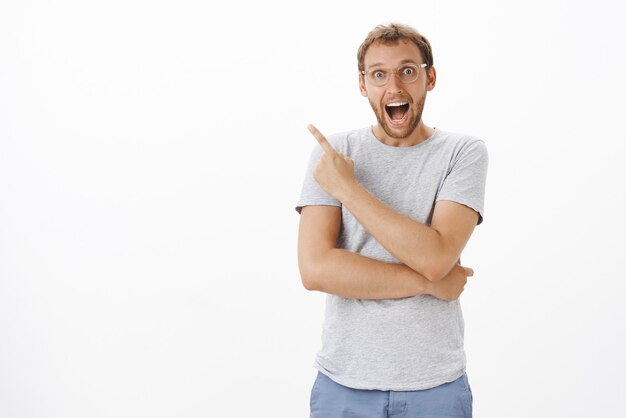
x=432 y=78
x=362 y=85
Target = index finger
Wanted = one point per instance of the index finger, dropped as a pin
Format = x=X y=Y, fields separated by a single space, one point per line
x=321 y=139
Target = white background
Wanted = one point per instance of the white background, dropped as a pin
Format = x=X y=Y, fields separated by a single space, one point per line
x=151 y=154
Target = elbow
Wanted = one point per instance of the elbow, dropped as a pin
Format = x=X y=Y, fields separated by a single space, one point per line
x=435 y=272
x=434 y=276
x=315 y=269
x=310 y=276
x=309 y=282
x=436 y=265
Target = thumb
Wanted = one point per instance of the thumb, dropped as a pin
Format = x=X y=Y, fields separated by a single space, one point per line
x=469 y=271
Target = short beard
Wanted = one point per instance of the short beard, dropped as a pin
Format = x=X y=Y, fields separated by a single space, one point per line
x=380 y=116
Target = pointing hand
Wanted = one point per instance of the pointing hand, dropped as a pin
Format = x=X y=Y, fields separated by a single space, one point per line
x=334 y=171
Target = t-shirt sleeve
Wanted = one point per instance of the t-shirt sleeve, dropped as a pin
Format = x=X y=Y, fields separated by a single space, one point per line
x=312 y=193
x=465 y=182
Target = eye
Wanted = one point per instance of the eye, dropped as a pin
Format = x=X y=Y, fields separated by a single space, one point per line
x=408 y=71
x=378 y=74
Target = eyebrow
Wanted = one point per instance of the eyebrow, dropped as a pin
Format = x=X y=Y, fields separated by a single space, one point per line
x=405 y=61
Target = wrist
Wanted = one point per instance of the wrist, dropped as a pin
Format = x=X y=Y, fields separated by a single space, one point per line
x=423 y=286
x=349 y=192
x=427 y=287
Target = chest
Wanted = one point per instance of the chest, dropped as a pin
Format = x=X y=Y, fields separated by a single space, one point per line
x=408 y=185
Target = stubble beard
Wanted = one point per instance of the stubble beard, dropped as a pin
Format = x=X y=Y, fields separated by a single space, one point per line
x=380 y=113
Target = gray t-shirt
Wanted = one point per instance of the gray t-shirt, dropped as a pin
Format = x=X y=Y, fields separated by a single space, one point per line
x=397 y=344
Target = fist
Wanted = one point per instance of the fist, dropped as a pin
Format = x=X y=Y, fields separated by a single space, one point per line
x=452 y=285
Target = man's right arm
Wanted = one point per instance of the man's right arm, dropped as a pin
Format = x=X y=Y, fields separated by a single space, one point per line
x=329 y=269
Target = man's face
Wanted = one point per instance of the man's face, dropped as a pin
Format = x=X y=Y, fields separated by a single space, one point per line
x=398 y=106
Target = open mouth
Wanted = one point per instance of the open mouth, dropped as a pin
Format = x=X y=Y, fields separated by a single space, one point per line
x=397 y=111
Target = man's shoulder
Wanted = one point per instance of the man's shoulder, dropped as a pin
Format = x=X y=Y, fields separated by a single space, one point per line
x=453 y=137
x=461 y=143
x=344 y=140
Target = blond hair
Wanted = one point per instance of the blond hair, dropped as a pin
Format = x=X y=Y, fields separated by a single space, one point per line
x=392 y=33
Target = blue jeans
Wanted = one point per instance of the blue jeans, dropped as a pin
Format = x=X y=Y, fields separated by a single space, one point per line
x=332 y=400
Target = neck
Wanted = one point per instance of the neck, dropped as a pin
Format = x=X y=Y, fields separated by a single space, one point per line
x=419 y=134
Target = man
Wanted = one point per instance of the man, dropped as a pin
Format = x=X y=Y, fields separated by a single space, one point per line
x=385 y=214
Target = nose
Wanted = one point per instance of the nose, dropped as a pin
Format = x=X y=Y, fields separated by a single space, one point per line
x=394 y=85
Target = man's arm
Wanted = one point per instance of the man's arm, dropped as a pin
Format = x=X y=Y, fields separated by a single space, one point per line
x=325 y=268
x=430 y=250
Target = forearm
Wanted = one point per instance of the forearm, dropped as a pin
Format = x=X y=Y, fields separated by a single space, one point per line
x=351 y=275
x=416 y=245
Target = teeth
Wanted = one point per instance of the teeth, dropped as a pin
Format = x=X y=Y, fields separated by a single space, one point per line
x=396 y=104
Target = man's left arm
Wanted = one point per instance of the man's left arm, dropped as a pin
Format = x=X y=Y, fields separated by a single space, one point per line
x=429 y=250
